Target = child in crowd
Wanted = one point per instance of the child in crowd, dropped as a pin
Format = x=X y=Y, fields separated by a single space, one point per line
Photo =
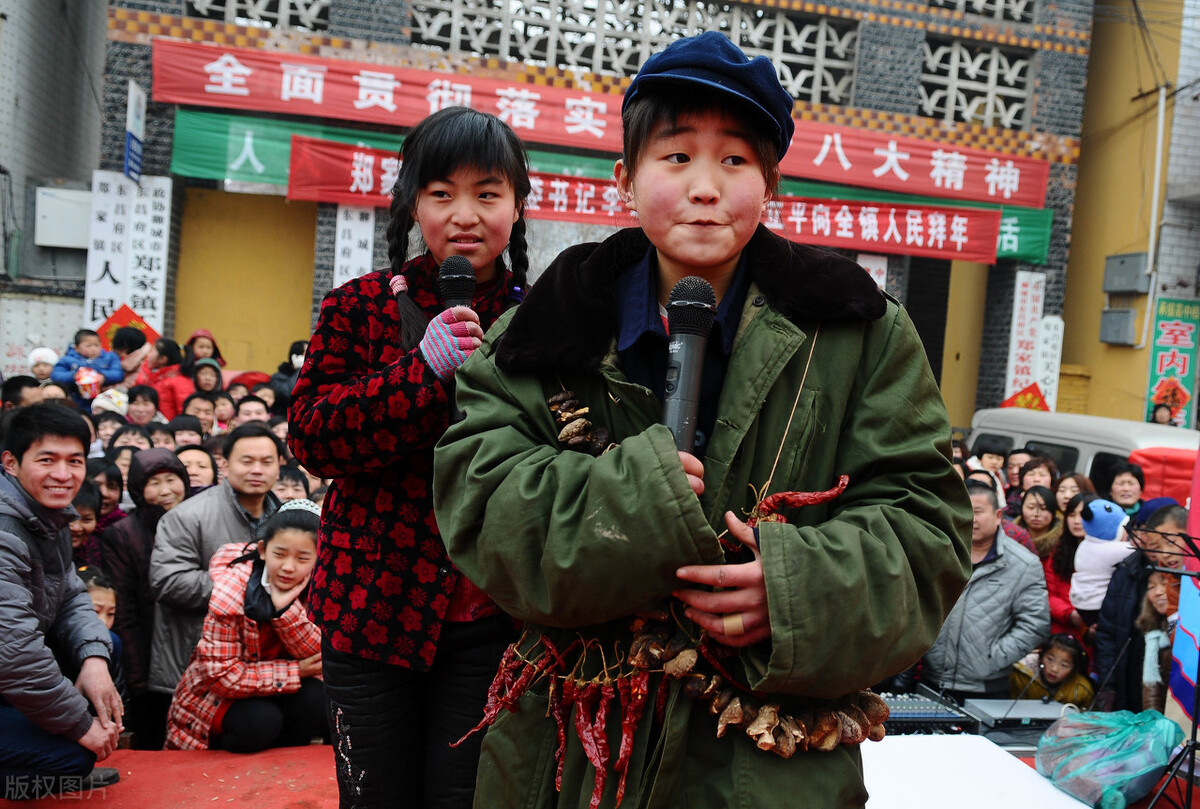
x=216 y=450
x=292 y=484
x=121 y=457
x=143 y=406
x=1059 y=567
x=206 y=375
x=109 y=480
x=131 y=435
x=130 y=345
x=200 y=465
x=107 y=422
x=1039 y=516
x=1104 y=546
x=254 y=680
x=161 y=435
x=410 y=644
x=224 y=409
x=201 y=406
x=85 y=542
x=1057 y=671
x=158 y=482
x=186 y=430
x=812 y=380
x=236 y=391
x=41 y=363
x=104 y=602
x=279 y=426
x=87 y=368
x=264 y=391
x=200 y=345
x=1159 y=615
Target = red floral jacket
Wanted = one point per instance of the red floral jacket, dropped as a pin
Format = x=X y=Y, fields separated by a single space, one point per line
x=368 y=414
x=227 y=663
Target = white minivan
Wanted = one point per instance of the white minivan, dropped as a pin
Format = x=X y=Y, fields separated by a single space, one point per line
x=1093 y=444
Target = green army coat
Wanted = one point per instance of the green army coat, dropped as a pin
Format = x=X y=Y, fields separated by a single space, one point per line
x=572 y=544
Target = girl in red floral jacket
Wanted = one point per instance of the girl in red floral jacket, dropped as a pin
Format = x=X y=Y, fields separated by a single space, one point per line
x=254 y=680
x=410 y=645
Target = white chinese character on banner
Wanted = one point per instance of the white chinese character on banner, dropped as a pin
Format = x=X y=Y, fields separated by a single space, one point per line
x=948 y=169
x=935 y=229
x=581 y=116
x=834 y=140
x=536 y=192
x=1010 y=235
x=774 y=215
x=845 y=223
x=444 y=93
x=228 y=77
x=1004 y=178
x=302 y=83
x=362 y=173
x=892 y=157
x=613 y=204
x=914 y=228
x=558 y=195
x=820 y=220
x=868 y=224
x=892 y=234
x=389 y=172
x=518 y=108
x=584 y=193
x=247 y=154
x=376 y=89
x=797 y=216
x=958 y=231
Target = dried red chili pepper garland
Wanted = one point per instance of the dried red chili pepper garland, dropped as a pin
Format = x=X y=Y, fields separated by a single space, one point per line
x=654 y=648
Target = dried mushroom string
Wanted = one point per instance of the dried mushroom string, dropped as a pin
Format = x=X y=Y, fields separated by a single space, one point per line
x=662 y=649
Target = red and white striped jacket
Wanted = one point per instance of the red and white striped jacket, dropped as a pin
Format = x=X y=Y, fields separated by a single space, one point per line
x=227 y=664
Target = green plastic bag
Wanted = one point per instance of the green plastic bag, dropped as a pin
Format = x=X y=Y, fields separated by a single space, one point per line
x=1107 y=760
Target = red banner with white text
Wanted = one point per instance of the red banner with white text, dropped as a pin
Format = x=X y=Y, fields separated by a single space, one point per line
x=329 y=171
x=248 y=79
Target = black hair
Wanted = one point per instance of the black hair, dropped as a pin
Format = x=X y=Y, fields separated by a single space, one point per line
x=13 y=389
x=112 y=453
x=293 y=474
x=168 y=349
x=94 y=579
x=1169 y=513
x=1047 y=495
x=297 y=347
x=88 y=496
x=435 y=148
x=1125 y=467
x=296 y=519
x=156 y=427
x=45 y=419
x=103 y=466
x=82 y=333
x=666 y=105
x=204 y=395
x=127 y=339
x=1160 y=406
x=223 y=394
x=1069 y=644
x=1062 y=558
x=130 y=429
x=975 y=487
x=108 y=415
x=251 y=429
x=249 y=398
x=1039 y=462
x=214 y=445
x=143 y=392
x=989 y=445
x=212 y=462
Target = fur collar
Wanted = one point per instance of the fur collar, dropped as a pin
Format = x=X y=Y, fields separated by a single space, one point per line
x=569 y=317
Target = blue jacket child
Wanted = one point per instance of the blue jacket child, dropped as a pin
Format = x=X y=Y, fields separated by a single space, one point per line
x=87 y=352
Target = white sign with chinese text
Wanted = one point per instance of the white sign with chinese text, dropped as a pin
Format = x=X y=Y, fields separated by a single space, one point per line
x=1049 y=357
x=876 y=265
x=127 y=248
x=1029 y=296
x=354 y=247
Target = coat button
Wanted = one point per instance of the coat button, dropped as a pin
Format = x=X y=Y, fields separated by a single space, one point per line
x=759 y=300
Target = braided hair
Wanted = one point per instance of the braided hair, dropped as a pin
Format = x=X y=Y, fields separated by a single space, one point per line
x=435 y=149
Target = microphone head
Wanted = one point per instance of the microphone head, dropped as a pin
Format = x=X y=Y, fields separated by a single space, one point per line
x=456 y=281
x=691 y=307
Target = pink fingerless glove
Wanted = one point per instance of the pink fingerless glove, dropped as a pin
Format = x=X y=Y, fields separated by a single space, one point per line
x=446 y=344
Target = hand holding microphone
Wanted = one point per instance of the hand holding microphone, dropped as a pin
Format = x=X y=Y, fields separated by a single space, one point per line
x=453 y=335
x=691 y=309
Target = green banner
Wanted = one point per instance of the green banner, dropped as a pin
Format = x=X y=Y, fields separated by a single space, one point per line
x=1173 y=359
x=244 y=148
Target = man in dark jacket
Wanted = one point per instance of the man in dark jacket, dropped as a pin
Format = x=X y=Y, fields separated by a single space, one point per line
x=49 y=633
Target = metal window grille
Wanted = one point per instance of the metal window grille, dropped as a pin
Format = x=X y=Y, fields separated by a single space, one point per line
x=813 y=56
x=303 y=15
x=975 y=84
x=1014 y=10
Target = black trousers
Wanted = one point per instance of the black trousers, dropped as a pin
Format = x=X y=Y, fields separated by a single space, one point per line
x=392 y=727
x=286 y=720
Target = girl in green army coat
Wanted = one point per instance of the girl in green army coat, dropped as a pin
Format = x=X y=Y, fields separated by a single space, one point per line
x=700 y=626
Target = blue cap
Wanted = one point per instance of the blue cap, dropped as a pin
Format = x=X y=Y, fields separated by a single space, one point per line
x=1105 y=522
x=1150 y=506
x=711 y=61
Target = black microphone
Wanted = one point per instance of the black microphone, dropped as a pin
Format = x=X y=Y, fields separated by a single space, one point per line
x=690 y=312
x=456 y=282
